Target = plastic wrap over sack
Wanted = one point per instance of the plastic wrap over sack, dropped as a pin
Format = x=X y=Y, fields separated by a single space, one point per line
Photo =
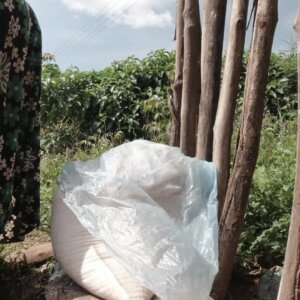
x=156 y=211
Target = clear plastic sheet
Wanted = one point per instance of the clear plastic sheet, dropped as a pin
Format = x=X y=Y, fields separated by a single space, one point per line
x=156 y=211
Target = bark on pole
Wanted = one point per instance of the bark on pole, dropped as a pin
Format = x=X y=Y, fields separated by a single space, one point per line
x=191 y=77
x=290 y=283
x=236 y=200
x=211 y=62
x=175 y=101
x=229 y=90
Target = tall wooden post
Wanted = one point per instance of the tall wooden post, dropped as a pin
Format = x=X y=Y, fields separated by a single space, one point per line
x=230 y=86
x=236 y=200
x=175 y=103
x=290 y=283
x=211 y=62
x=191 y=77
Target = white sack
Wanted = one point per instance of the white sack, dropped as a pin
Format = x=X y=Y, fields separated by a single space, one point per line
x=86 y=261
x=156 y=211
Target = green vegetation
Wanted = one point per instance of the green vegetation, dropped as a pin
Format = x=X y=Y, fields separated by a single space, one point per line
x=51 y=166
x=281 y=88
x=86 y=113
x=267 y=220
x=127 y=99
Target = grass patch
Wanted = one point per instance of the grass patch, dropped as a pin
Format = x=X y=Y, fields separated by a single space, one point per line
x=51 y=166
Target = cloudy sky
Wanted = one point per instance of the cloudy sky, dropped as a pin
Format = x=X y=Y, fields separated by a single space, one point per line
x=91 y=34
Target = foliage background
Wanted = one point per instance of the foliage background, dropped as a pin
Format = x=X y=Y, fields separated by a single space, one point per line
x=127 y=99
x=86 y=113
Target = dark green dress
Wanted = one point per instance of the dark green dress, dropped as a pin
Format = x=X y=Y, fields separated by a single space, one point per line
x=20 y=75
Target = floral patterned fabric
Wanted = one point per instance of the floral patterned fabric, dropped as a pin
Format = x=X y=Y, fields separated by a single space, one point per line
x=20 y=73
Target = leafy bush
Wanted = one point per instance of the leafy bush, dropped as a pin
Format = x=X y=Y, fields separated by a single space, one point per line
x=267 y=219
x=77 y=105
x=66 y=99
x=130 y=98
x=281 y=90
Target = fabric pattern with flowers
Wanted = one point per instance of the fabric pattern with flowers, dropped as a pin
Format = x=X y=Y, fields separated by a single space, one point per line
x=20 y=75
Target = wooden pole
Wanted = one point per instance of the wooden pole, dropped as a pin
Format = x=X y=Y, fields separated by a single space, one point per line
x=175 y=103
x=290 y=283
x=236 y=200
x=230 y=86
x=191 y=77
x=211 y=62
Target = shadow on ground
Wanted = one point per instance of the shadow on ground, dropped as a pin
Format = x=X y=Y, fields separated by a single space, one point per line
x=23 y=282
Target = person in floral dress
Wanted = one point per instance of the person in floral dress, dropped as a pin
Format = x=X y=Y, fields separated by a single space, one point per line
x=20 y=87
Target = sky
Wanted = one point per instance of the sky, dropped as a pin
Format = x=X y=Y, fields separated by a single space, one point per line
x=90 y=34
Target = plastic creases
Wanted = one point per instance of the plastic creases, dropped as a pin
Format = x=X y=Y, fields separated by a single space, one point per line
x=156 y=211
